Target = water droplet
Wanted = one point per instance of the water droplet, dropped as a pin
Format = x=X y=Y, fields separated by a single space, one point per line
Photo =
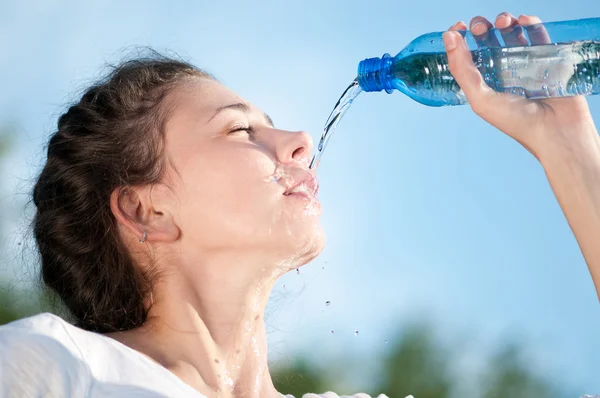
x=356 y=332
x=546 y=91
x=583 y=70
x=385 y=342
x=561 y=89
x=297 y=271
x=328 y=303
x=431 y=41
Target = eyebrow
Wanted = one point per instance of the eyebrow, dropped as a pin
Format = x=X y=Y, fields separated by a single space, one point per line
x=241 y=107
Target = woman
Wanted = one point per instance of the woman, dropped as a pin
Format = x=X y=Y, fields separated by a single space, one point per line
x=169 y=206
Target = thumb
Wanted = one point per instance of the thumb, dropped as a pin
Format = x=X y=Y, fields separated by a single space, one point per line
x=496 y=108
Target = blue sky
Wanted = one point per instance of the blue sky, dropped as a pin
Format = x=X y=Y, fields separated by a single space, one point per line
x=429 y=212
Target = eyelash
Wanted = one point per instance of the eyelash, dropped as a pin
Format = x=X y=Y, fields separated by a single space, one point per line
x=241 y=128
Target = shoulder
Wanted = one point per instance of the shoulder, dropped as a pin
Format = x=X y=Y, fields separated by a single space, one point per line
x=44 y=322
x=38 y=357
x=41 y=331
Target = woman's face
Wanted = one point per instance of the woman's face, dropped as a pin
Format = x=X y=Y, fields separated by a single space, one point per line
x=241 y=185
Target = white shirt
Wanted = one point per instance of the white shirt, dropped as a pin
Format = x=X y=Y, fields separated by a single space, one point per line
x=44 y=356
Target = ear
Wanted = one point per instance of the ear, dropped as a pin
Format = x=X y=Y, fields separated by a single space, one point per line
x=136 y=212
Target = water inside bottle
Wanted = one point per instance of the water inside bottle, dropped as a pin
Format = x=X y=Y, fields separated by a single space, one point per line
x=552 y=70
x=340 y=108
x=536 y=72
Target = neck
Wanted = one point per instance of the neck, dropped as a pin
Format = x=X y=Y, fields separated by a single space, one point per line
x=207 y=327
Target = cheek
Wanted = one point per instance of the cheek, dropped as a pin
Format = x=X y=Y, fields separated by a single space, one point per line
x=229 y=197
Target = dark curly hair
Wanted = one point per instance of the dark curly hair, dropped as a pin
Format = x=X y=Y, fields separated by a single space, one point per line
x=111 y=138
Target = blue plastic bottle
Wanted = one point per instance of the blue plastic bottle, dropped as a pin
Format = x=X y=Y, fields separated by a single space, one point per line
x=566 y=63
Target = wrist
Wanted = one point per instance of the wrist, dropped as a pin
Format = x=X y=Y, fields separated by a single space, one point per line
x=576 y=145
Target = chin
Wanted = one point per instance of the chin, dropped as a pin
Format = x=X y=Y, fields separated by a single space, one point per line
x=304 y=247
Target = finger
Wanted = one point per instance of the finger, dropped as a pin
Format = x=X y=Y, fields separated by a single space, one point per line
x=480 y=28
x=537 y=33
x=496 y=108
x=460 y=62
x=459 y=26
x=511 y=31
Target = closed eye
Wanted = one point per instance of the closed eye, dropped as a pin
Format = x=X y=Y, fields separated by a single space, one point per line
x=241 y=129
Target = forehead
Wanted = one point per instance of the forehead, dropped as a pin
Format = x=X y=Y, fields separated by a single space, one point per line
x=201 y=97
x=198 y=101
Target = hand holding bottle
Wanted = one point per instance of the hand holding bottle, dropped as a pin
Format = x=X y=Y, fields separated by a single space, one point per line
x=538 y=125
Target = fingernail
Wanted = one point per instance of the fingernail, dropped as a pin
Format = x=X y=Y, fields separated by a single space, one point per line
x=502 y=18
x=478 y=28
x=450 y=40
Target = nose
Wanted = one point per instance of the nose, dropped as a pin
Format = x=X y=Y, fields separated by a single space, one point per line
x=295 y=147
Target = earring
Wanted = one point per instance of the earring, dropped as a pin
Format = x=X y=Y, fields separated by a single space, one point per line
x=144 y=236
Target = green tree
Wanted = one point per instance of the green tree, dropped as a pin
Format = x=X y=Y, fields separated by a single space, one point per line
x=16 y=302
x=416 y=365
x=299 y=378
x=509 y=375
x=9 y=310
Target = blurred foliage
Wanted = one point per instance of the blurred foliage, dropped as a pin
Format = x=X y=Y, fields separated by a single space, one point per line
x=5 y=142
x=414 y=365
x=509 y=376
x=417 y=365
x=299 y=378
x=8 y=310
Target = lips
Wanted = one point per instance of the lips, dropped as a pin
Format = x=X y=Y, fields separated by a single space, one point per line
x=306 y=187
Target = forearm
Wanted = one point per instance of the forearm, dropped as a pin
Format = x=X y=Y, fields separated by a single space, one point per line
x=573 y=170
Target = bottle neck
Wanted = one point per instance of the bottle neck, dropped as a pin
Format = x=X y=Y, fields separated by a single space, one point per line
x=374 y=74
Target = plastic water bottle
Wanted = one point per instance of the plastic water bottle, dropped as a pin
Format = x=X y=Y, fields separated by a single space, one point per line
x=559 y=59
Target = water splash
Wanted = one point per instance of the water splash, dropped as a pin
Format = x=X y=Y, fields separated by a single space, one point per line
x=340 y=108
x=278 y=175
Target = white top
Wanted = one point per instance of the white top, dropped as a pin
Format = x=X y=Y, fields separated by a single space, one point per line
x=45 y=356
